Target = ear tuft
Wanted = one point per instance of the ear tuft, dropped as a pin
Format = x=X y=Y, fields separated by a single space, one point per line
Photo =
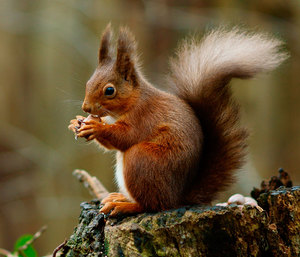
x=105 y=45
x=126 y=55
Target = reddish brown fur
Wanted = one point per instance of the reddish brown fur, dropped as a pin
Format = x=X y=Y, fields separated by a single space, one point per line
x=179 y=148
x=121 y=207
x=104 y=50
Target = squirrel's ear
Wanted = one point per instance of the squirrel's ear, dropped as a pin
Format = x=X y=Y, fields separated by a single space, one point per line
x=105 y=45
x=126 y=56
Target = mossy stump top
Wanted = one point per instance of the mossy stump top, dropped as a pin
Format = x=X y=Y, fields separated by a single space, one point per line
x=194 y=230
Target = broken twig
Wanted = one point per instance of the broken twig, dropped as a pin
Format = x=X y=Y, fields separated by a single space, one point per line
x=58 y=248
x=21 y=249
x=29 y=242
x=94 y=186
x=6 y=253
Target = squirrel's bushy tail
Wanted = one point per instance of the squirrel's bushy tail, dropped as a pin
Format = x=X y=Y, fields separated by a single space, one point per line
x=199 y=75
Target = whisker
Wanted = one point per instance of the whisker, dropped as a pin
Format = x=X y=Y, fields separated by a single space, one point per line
x=63 y=91
x=73 y=101
x=109 y=112
x=106 y=111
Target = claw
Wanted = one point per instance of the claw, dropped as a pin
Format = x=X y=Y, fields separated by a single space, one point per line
x=107 y=207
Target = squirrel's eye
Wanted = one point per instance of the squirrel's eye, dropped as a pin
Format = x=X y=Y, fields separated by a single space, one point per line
x=109 y=90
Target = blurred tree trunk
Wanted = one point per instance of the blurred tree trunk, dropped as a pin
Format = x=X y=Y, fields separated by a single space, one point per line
x=17 y=172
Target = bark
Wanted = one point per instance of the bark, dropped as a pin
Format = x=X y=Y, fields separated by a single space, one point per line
x=194 y=230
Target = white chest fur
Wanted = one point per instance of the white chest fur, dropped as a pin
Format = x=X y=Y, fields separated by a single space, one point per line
x=119 y=176
x=109 y=120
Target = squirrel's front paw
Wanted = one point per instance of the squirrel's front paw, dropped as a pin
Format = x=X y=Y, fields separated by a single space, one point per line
x=75 y=124
x=89 y=129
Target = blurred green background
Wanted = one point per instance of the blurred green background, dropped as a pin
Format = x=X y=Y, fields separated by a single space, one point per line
x=48 y=51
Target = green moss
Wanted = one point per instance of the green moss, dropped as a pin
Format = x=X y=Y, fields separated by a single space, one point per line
x=161 y=220
x=193 y=231
x=180 y=212
x=147 y=225
x=106 y=247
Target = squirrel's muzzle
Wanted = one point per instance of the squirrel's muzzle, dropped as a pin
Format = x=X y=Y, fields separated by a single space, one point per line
x=86 y=107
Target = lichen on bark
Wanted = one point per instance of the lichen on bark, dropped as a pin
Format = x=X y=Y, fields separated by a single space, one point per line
x=194 y=230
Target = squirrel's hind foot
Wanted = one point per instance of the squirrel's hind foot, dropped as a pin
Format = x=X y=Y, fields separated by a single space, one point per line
x=121 y=208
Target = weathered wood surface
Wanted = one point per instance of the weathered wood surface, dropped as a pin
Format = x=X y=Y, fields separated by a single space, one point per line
x=194 y=231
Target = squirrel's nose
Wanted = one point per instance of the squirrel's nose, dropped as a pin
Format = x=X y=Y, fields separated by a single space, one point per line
x=86 y=107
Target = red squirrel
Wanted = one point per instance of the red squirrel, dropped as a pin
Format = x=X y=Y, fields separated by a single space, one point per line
x=180 y=147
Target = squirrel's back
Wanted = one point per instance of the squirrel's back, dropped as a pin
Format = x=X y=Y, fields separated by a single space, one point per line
x=199 y=75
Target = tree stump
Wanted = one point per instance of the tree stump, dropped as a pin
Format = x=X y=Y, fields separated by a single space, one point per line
x=194 y=230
